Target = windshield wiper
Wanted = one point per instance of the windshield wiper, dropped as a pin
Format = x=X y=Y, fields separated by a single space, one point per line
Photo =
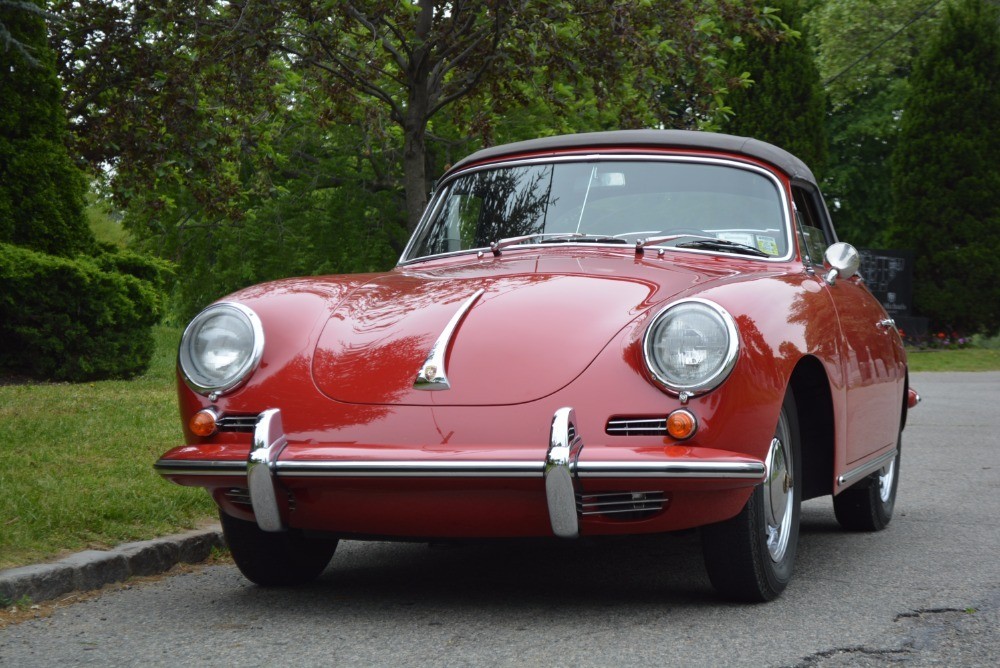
x=724 y=245
x=641 y=244
x=585 y=238
x=554 y=237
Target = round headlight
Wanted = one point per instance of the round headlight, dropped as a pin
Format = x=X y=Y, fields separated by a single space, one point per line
x=220 y=348
x=691 y=346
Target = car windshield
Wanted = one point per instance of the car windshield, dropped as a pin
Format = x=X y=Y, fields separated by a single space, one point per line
x=612 y=201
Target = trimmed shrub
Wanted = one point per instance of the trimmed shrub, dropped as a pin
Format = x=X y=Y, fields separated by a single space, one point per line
x=78 y=319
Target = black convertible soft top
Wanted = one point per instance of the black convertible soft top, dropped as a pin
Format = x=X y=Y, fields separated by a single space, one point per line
x=687 y=139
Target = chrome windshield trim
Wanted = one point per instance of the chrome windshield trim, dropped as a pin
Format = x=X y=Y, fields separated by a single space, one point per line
x=432 y=374
x=859 y=472
x=605 y=157
x=410 y=468
x=710 y=469
x=200 y=467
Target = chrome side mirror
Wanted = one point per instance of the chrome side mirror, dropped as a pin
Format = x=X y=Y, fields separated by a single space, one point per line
x=844 y=261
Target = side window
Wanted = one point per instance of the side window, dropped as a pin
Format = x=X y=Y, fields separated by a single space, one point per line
x=813 y=236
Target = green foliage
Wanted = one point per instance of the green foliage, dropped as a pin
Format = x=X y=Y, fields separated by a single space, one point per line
x=41 y=190
x=258 y=141
x=77 y=319
x=864 y=50
x=785 y=105
x=946 y=175
x=105 y=225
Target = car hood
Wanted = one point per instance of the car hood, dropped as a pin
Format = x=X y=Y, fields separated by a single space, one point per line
x=539 y=322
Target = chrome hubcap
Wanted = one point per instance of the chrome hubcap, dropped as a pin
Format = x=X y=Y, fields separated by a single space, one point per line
x=885 y=479
x=778 y=495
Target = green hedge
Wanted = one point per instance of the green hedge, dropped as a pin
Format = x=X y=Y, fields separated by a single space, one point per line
x=85 y=318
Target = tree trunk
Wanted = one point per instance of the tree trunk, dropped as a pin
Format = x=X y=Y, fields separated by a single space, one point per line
x=415 y=171
x=415 y=123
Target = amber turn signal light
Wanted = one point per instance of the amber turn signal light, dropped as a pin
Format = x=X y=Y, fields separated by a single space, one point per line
x=681 y=424
x=203 y=422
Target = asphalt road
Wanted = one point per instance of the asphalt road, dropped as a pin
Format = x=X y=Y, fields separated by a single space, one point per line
x=924 y=592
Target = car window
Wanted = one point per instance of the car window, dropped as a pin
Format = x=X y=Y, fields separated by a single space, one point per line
x=617 y=199
x=813 y=237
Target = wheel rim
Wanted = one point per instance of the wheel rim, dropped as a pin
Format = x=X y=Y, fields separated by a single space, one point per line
x=778 y=494
x=885 y=479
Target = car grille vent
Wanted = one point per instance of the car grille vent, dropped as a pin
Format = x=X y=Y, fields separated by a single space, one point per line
x=240 y=496
x=622 y=506
x=240 y=423
x=636 y=426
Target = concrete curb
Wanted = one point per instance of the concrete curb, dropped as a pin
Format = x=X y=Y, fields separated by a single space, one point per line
x=92 y=569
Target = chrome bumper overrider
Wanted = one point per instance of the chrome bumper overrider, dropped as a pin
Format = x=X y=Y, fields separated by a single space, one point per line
x=561 y=470
x=268 y=442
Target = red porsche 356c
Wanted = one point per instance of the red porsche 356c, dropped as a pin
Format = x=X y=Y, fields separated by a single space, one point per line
x=609 y=333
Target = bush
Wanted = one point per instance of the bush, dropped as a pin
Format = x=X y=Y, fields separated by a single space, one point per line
x=78 y=319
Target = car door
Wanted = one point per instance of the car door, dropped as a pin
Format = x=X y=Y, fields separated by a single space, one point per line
x=872 y=362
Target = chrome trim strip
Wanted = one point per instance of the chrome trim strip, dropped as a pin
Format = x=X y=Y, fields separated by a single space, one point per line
x=856 y=474
x=467 y=469
x=199 y=467
x=410 y=468
x=432 y=374
x=268 y=441
x=565 y=445
x=739 y=470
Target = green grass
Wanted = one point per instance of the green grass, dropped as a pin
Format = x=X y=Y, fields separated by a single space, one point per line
x=966 y=359
x=76 y=463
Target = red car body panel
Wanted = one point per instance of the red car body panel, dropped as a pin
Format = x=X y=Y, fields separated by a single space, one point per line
x=560 y=326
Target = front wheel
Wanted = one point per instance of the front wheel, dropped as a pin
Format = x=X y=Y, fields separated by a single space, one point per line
x=750 y=557
x=278 y=559
x=868 y=504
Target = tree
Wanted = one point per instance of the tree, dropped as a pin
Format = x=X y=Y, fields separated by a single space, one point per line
x=864 y=50
x=785 y=105
x=11 y=41
x=248 y=141
x=946 y=175
x=407 y=63
x=41 y=189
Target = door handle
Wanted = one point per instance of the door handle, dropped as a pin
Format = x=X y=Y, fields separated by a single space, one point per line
x=886 y=324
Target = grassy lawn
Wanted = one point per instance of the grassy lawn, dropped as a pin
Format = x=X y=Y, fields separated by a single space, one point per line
x=76 y=463
x=76 y=459
x=966 y=359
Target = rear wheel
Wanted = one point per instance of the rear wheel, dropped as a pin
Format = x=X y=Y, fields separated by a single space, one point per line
x=275 y=559
x=868 y=504
x=750 y=557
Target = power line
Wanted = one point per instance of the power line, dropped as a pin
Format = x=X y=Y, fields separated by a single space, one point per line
x=885 y=41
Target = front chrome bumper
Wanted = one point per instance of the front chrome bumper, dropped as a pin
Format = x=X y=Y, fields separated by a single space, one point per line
x=565 y=464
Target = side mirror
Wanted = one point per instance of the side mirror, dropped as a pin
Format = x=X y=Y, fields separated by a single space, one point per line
x=844 y=261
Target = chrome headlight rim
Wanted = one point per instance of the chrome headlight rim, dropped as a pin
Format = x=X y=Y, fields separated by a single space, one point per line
x=722 y=371
x=249 y=365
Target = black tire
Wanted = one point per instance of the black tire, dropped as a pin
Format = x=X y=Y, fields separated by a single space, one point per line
x=750 y=557
x=867 y=505
x=281 y=559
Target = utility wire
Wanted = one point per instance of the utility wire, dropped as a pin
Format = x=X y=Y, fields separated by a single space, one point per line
x=885 y=41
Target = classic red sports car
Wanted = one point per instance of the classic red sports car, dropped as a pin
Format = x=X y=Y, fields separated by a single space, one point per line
x=610 y=333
